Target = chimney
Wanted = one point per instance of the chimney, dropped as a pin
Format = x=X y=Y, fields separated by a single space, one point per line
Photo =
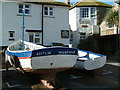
x=68 y=2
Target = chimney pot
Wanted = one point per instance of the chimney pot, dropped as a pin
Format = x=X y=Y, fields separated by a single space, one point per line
x=68 y=2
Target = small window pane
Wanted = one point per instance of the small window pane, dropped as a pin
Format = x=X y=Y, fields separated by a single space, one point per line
x=51 y=8
x=11 y=34
x=26 y=11
x=20 y=6
x=31 y=38
x=46 y=12
x=51 y=13
x=37 y=34
x=20 y=10
x=45 y=8
x=27 y=6
x=37 y=40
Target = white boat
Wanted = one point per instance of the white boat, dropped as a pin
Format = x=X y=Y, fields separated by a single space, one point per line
x=89 y=60
x=36 y=57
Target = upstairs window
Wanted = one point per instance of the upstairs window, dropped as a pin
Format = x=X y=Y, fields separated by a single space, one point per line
x=84 y=12
x=26 y=7
x=48 y=11
x=93 y=12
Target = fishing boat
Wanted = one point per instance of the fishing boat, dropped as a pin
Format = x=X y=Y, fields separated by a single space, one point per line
x=37 y=57
x=89 y=61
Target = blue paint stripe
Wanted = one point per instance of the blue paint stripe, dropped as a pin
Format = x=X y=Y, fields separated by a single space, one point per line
x=45 y=52
x=92 y=53
x=54 y=51
x=20 y=54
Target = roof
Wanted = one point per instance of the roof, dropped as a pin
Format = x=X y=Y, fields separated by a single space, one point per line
x=90 y=3
x=50 y=2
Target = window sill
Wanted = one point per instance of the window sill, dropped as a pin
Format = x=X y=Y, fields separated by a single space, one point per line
x=49 y=16
x=24 y=15
x=11 y=39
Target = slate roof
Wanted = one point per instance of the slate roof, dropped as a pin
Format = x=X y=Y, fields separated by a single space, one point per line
x=90 y=3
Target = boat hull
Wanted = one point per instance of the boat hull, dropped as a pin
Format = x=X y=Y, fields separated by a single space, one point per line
x=90 y=64
x=45 y=59
x=89 y=61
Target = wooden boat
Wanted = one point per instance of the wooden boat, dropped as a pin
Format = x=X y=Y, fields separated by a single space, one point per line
x=37 y=57
x=89 y=60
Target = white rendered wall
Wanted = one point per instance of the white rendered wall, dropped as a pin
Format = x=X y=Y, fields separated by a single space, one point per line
x=13 y=21
x=72 y=19
x=54 y=25
x=0 y=23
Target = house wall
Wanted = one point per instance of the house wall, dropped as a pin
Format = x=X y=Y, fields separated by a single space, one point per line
x=104 y=30
x=72 y=19
x=12 y=21
x=0 y=23
x=54 y=25
x=76 y=39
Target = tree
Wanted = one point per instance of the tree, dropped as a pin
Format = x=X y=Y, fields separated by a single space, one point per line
x=112 y=17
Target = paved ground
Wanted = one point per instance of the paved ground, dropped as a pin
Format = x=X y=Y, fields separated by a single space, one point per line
x=103 y=78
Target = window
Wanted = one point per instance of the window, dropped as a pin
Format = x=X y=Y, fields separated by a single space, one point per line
x=48 y=11
x=64 y=34
x=11 y=35
x=110 y=25
x=84 y=12
x=34 y=37
x=93 y=14
x=26 y=7
x=82 y=35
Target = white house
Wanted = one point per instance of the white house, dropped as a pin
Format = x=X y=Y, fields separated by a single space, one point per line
x=46 y=21
x=85 y=17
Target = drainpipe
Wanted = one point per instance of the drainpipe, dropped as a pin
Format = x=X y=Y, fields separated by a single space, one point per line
x=23 y=28
x=42 y=21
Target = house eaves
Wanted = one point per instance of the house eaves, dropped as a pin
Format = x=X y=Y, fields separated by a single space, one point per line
x=45 y=2
x=93 y=3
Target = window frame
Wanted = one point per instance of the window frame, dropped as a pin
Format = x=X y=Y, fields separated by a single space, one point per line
x=82 y=35
x=13 y=35
x=26 y=8
x=84 y=13
x=93 y=15
x=34 y=37
x=63 y=35
x=48 y=11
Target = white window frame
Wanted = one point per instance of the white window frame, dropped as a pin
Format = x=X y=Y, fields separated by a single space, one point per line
x=48 y=11
x=34 y=37
x=84 y=13
x=24 y=6
x=93 y=15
